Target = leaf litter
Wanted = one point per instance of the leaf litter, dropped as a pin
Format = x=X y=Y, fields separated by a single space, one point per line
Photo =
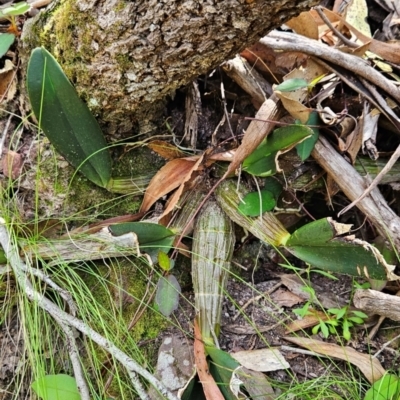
x=180 y=171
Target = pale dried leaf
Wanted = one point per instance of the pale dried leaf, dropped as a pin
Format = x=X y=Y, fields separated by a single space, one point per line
x=263 y=360
x=357 y=16
x=370 y=367
x=294 y=107
x=307 y=322
x=284 y=298
x=304 y=25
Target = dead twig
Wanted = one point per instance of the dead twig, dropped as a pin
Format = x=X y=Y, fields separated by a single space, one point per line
x=133 y=368
x=292 y=42
x=374 y=206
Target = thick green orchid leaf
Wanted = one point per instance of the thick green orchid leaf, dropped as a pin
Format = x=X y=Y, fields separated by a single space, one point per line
x=65 y=119
x=317 y=244
x=274 y=186
x=257 y=203
x=262 y=162
x=221 y=367
x=56 y=387
x=167 y=295
x=305 y=148
x=6 y=40
x=151 y=237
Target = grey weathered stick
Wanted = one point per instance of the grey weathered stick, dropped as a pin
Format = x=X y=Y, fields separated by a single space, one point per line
x=374 y=205
x=293 y=42
x=374 y=302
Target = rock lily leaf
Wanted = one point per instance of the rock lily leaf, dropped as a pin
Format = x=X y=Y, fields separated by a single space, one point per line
x=65 y=118
x=262 y=162
x=317 y=243
x=152 y=237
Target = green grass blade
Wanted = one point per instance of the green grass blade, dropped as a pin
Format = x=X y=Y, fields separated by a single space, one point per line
x=65 y=119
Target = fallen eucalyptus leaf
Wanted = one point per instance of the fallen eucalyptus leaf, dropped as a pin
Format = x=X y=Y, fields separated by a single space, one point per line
x=317 y=243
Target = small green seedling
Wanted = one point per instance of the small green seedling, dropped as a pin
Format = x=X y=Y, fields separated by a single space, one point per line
x=293 y=84
x=168 y=288
x=338 y=321
x=11 y=11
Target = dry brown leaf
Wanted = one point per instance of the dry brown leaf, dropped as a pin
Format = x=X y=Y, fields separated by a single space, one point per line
x=294 y=107
x=290 y=59
x=7 y=81
x=388 y=51
x=307 y=322
x=12 y=163
x=210 y=388
x=258 y=129
x=168 y=178
x=224 y=156
x=284 y=298
x=304 y=25
x=262 y=58
x=370 y=367
x=166 y=150
x=190 y=174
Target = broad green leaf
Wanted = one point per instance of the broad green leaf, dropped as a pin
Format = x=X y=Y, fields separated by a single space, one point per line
x=221 y=368
x=262 y=161
x=305 y=148
x=150 y=236
x=56 y=387
x=316 y=244
x=257 y=203
x=314 y=233
x=193 y=390
x=15 y=9
x=6 y=40
x=386 y=388
x=291 y=85
x=164 y=261
x=274 y=186
x=65 y=119
x=167 y=295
